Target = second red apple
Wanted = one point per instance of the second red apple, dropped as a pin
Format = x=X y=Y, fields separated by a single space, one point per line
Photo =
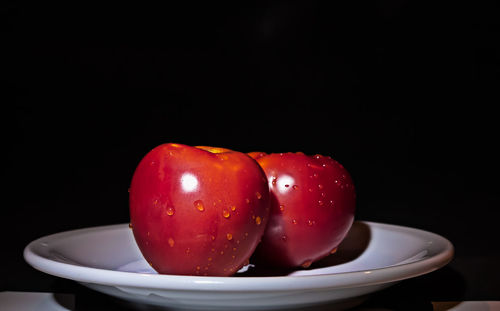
x=312 y=208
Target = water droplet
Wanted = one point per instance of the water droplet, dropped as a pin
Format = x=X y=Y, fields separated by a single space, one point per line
x=152 y=163
x=170 y=211
x=321 y=203
x=295 y=187
x=320 y=186
x=212 y=237
x=233 y=208
x=282 y=207
x=155 y=203
x=198 y=268
x=294 y=221
x=225 y=213
x=315 y=175
x=229 y=236
x=308 y=164
x=310 y=222
x=284 y=238
x=323 y=194
x=324 y=165
x=222 y=252
x=199 y=205
x=171 y=242
x=130 y=226
x=333 y=251
x=274 y=181
x=258 y=195
x=310 y=190
x=336 y=181
x=258 y=220
x=247 y=200
x=317 y=156
x=306 y=264
x=332 y=202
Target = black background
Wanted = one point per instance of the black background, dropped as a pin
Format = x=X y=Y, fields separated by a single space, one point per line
x=400 y=92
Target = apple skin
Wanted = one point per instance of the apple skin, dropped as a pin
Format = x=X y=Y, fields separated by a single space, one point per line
x=312 y=208
x=198 y=210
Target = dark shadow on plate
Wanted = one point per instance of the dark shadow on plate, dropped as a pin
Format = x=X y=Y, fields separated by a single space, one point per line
x=355 y=243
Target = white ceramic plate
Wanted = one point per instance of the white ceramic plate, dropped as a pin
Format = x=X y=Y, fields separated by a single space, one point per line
x=372 y=257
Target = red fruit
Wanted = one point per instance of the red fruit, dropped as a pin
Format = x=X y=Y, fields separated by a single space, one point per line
x=198 y=210
x=312 y=208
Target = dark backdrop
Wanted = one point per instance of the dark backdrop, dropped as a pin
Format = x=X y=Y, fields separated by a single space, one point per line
x=401 y=92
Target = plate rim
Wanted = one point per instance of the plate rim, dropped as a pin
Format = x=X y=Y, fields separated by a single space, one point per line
x=348 y=279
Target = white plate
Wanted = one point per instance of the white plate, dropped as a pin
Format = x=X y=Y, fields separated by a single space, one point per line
x=372 y=257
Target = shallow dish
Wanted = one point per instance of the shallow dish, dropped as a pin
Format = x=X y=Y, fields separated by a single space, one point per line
x=372 y=257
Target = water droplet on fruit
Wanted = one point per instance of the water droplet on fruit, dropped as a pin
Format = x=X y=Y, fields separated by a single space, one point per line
x=282 y=207
x=306 y=264
x=229 y=236
x=315 y=175
x=332 y=203
x=317 y=156
x=320 y=186
x=295 y=187
x=198 y=268
x=323 y=194
x=247 y=200
x=321 y=203
x=212 y=237
x=284 y=238
x=171 y=242
x=225 y=213
x=258 y=195
x=233 y=208
x=310 y=190
x=258 y=220
x=222 y=252
x=274 y=181
x=170 y=211
x=310 y=222
x=199 y=205
x=294 y=221
x=333 y=251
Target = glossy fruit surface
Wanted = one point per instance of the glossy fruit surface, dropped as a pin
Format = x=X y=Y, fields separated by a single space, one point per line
x=198 y=210
x=312 y=208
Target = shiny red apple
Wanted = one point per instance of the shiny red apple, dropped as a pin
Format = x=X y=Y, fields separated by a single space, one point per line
x=312 y=208
x=198 y=210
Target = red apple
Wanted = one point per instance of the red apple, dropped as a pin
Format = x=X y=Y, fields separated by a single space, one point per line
x=312 y=208
x=198 y=210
